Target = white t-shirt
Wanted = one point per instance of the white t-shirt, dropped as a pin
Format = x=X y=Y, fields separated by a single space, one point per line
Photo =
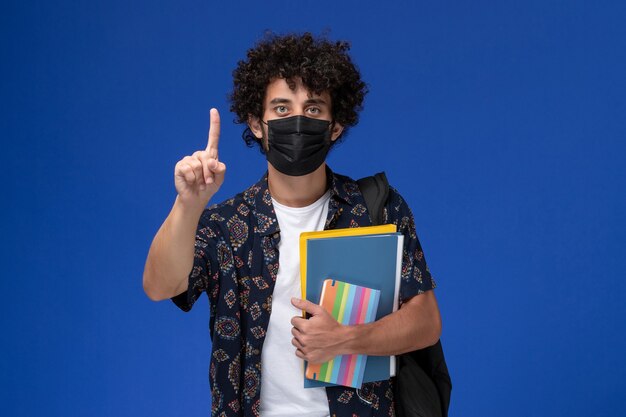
x=282 y=383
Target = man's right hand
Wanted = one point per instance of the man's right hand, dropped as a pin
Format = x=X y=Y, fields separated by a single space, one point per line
x=199 y=176
x=197 y=179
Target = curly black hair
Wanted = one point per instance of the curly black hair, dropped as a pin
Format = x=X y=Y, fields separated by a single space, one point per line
x=321 y=64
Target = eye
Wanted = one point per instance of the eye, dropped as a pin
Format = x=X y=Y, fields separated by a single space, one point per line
x=281 y=109
x=314 y=110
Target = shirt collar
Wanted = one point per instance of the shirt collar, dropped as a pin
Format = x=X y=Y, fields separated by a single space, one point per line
x=342 y=190
x=258 y=196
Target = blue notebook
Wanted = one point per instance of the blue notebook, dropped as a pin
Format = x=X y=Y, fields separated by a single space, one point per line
x=373 y=261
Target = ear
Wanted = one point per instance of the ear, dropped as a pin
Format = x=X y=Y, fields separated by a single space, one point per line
x=336 y=132
x=255 y=126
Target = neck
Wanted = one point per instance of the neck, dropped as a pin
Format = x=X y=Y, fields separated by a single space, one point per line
x=297 y=191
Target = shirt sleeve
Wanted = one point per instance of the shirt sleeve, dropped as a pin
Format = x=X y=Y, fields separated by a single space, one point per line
x=203 y=276
x=416 y=278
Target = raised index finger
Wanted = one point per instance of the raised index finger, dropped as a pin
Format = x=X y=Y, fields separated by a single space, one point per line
x=214 y=134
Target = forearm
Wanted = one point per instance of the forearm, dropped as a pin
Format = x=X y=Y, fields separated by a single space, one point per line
x=171 y=254
x=414 y=326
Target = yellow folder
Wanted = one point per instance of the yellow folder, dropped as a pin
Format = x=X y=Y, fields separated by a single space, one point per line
x=323 y=234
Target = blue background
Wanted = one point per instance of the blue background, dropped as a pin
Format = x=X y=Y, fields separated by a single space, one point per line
x=501 y=122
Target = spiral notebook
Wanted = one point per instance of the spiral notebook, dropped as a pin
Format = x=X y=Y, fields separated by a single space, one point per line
x=349 y=304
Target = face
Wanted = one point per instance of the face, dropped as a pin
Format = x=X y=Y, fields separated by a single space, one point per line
x=281 y=101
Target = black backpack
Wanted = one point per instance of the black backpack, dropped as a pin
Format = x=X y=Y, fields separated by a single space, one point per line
x=422 y=384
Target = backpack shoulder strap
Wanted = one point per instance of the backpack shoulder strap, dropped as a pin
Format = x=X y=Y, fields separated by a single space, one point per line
x=375 y=190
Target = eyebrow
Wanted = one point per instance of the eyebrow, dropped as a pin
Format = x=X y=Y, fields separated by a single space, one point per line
x=308 y=101
x=315 y=101
x=280 y=101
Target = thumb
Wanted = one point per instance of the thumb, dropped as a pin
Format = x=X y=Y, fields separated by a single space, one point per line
x=306 y=305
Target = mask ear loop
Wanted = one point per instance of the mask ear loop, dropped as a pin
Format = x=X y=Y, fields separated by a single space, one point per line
x=264 y=138
x=332 y=128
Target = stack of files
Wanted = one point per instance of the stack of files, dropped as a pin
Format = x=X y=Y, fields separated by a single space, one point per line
x=366 y=256
x=349 y=304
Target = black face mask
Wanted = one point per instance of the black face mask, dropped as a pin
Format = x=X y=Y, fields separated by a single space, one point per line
x=298 y=145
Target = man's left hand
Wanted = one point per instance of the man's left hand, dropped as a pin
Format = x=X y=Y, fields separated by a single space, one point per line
x=318 y=338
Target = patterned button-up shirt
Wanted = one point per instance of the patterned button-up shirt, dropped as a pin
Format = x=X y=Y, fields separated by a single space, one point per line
x=236 y=262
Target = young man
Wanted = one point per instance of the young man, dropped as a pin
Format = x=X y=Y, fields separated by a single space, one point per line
x=298 y=96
